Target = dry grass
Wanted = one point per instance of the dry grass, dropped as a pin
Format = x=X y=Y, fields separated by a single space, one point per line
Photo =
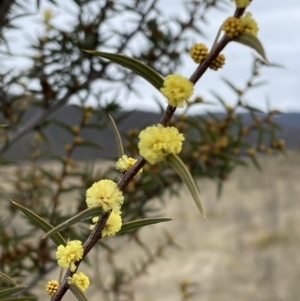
x=246 y=249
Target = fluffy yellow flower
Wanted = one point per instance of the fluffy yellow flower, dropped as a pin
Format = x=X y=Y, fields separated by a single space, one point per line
x=104 y=194
x=157 y=142
x=124 y=163
x=249 y=24
x=113 y=224
x=67 y=255
x=52 y=287
x=241 y=3
x=81 y=280
x=177 y=89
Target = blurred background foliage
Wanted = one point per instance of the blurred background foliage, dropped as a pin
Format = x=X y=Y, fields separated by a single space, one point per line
x=42 y=177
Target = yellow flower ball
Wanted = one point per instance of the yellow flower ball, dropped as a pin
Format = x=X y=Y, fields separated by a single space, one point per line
x=232 y=27
x=81 y=280
x=52 y=287
x=218 y=62
x=198 y=52
x=105 y=194
x=177 y=89
x=157 y=142
x=67 y=255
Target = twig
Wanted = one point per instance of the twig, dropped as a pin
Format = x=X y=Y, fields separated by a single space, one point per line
x=5 y=6
x=36 y=279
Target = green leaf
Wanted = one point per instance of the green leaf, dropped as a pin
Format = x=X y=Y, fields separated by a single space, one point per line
x=10 y=291
x=61 y=124
x=256 y=163
x=89 y=144
x=118 y=137
x=260 y=137
x=259 y=84
x=20 y=298
x=230 y=84
x=48 y=174
x=219 y=188
x=276 y=65
x=252 y=109
x=81 y=216
x=133 y=225
x=134 y=65
x=77 y=292
x=233 y=159
x=177 y=164
x=42 y=224
x=7 y=279
x=25 y=298
x=253 y=42
x=219 y=98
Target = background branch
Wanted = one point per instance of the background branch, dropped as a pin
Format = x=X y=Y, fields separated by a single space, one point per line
x=5 y=6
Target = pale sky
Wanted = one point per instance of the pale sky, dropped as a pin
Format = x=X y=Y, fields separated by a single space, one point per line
x=279 y=24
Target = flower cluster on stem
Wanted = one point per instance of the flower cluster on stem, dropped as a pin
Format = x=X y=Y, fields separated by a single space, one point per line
x=113 y=224
x=177 y=89
x=124 y=163
x=80 y=280
x=67 y=255
x=105 y=194
x=157 y=142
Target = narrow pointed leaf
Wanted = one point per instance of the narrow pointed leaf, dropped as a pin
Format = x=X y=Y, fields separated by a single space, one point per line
x=7 y=279
x=230 y=84
x=81 y=216
x=91 y=144
x=118 y=137
x=10 y=291
x=259 y=84
x=256 y=163
x=219 y=98
x=26 y=298
x=134 y=65
x=219 y=188
x=177 y=164
x=133 y=225
x=253 y=42
x=60 y=124
x=77 y=292
x=42 y=224
x=252 y=109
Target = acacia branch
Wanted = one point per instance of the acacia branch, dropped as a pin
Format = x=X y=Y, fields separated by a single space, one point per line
x=5 y=6
x=96 y=235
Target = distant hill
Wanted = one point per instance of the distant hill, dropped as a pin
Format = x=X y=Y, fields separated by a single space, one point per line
x=57 y=136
